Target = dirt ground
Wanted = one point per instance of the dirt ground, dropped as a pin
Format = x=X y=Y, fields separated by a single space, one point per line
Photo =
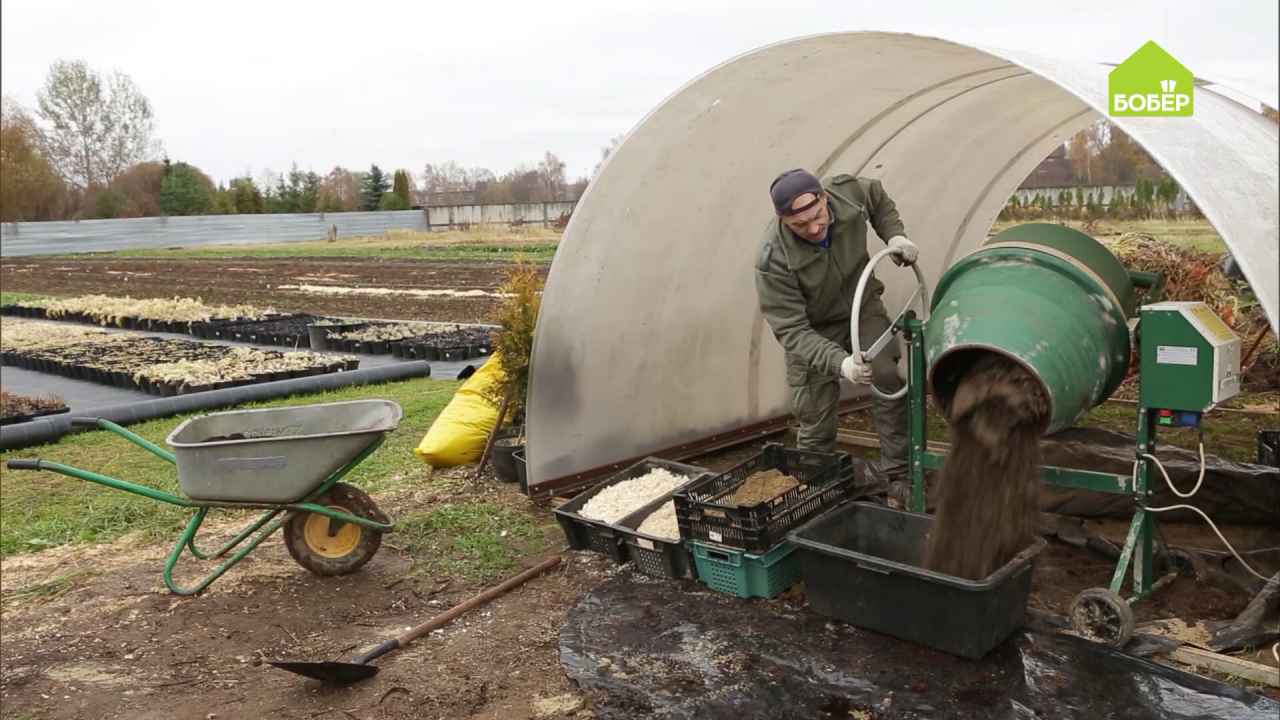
x=258 y=281
x=117 y=644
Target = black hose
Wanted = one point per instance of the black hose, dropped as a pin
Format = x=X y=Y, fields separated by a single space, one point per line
x=46 y=430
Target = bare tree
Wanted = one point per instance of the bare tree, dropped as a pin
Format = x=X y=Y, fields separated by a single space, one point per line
x=445 y=177
x=339 y=191
x=95 y=127
x=551 y=175
x=605 y=152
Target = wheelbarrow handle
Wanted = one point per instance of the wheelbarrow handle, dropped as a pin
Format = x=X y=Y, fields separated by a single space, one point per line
x=23 y=464
x=84 y=422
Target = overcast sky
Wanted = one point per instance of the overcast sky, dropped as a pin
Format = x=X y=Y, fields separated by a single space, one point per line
x=248 y=86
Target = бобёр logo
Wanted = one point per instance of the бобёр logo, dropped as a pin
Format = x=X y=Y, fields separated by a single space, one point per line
x=1151 y=83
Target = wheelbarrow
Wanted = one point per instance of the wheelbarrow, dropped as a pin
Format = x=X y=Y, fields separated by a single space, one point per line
x=288 y=461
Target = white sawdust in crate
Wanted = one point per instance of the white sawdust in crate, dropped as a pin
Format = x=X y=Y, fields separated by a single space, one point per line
x=662 y=522
x=617 y=501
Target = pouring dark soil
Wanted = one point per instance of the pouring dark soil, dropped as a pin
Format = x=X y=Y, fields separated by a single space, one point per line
x=988 y=489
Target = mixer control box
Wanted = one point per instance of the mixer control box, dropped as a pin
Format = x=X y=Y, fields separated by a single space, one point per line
x=1190 y=358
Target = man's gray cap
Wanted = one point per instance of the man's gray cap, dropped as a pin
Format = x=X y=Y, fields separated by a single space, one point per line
x=790 y=185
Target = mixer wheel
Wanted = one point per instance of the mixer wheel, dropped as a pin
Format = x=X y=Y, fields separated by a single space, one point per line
x=1102 y=616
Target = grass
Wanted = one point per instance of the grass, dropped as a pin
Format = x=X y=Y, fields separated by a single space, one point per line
x=9 y=298
x=50 y=589
x=1197 y=234
x=39 y=510
x=534 y=244
x=475 y=540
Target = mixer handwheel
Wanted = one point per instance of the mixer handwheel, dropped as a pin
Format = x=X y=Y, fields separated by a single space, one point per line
x=1100 y=615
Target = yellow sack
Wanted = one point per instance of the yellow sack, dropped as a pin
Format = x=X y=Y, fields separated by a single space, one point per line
x=458 y=435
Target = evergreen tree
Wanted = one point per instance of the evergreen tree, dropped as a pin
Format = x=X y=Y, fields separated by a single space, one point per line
x=309 y=193
x=392 y=201
x=375 y=185
x=400 y=187
x=224 y=202
x=185 y=190
x=246 y=197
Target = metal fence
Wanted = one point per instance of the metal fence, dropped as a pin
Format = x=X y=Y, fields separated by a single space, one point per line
x=73 y=236
x=545 y=214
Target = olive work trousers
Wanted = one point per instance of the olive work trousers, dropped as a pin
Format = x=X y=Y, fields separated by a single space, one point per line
x=815 y=403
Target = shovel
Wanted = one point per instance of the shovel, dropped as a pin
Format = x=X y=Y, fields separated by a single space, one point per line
x=346 y=673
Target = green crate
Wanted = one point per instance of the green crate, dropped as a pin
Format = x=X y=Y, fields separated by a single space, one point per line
x=740 y=573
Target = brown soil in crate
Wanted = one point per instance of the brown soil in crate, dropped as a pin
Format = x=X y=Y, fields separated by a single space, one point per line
x=256 y=281
x=987 y=505
x=761 y=486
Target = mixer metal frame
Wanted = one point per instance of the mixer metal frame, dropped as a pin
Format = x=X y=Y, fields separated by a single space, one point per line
x=1139 y=546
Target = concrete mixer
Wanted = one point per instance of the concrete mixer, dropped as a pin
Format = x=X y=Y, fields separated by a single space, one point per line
x=1058 y=303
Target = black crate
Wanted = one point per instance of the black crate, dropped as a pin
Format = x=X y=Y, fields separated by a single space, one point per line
x=704 y=514
x=653 y=555
x=860 y=564
x=450 y=354
x=607 y=538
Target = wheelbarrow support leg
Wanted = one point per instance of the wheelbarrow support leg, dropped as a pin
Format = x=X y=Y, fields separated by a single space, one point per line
x=226 y=548
x=188 y=536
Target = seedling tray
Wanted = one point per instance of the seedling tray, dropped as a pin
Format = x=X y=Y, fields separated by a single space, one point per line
x=15 y=419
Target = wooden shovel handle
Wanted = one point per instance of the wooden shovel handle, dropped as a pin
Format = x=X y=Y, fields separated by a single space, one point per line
x=452 y=613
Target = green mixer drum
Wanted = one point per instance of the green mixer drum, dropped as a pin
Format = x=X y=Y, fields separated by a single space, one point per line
x=1050 y=297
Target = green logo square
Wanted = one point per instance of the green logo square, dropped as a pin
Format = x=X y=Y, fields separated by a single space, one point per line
x=1151 y=83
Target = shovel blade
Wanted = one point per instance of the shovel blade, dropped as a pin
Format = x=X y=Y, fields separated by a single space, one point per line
x=329 y=673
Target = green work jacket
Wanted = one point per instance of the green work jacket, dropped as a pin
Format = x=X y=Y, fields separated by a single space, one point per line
x=806 y=291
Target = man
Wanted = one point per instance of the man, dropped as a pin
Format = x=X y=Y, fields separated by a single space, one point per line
x=813 y=255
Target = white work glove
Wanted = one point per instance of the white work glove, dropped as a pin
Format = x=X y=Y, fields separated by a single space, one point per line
x=855 y=371
x=905 y=252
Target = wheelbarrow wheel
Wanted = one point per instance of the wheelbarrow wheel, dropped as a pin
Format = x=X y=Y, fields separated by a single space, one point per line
x=330 y=547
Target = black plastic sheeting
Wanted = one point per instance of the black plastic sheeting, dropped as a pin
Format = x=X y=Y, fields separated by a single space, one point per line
x=1232 y=492
x=647 y=648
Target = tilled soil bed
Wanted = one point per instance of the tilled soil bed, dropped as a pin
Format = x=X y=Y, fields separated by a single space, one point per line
x=364 y=287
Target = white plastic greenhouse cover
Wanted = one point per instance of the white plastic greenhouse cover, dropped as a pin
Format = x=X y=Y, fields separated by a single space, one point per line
x=650 y=335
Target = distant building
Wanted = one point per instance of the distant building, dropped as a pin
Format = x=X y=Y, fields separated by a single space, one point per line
x=1053 y=177
x=1053 y=172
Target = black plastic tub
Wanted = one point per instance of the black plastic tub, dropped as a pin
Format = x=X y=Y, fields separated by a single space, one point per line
x=502 y=455
x=588 y=534
x=859 y=562
x=522 y=471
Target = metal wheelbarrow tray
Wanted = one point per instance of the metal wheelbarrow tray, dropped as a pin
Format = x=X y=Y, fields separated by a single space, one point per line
x=286 y=460
x=277 y=455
